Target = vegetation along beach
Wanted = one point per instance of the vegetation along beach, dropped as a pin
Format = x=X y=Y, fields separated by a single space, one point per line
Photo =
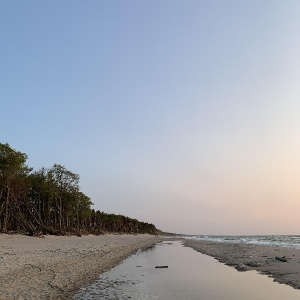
x=50 y=201
x=46 y=247
x=54 y=243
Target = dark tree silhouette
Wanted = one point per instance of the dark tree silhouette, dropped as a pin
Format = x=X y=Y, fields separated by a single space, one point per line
x=50 y=201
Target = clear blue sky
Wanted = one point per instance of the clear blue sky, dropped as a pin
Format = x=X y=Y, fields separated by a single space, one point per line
x=184 y=114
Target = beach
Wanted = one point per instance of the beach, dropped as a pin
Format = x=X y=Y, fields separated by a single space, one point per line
x=54 y=267
x=264 y=259
x=58 y=267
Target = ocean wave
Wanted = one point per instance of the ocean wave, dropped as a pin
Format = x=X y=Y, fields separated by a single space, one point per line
x=290 y=241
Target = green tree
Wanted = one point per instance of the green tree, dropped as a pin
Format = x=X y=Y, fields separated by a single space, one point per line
x=65 y=183
x=50 y=200
x=13 y=184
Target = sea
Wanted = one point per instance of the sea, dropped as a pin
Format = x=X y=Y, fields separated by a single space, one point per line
x=290 y=241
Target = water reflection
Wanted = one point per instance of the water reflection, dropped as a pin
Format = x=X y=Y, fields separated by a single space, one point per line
x=147 y=249
x=152 y=247
x=190 y=276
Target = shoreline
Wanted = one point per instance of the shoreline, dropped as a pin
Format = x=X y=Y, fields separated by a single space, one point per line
x=56 y=267
x=264 y=259
x=188 y=275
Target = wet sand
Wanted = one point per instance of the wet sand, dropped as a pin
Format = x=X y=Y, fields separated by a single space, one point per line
x=190 y=276
x=55 y=267
x=253 y=257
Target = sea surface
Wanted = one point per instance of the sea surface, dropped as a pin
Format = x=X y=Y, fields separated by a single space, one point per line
x=290 y=241
x=189 y=275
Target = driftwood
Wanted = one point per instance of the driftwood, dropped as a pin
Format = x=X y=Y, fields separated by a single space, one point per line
x=283 y=259
x=161 y=267
x=38 y=234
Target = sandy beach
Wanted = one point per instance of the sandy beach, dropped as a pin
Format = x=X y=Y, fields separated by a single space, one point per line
x=264 y=259
x=55 y=267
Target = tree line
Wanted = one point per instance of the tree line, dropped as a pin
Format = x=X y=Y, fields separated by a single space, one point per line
x=50 y=201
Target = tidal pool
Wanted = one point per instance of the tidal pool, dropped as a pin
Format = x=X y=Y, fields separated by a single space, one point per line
x=190 y=276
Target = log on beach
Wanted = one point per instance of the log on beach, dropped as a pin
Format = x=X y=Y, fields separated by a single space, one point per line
x=283 y=259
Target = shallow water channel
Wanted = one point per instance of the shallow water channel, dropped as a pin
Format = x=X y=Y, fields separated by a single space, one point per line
x=190 y=276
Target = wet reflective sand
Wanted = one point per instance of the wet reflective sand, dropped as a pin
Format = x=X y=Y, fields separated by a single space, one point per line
x=190 y=275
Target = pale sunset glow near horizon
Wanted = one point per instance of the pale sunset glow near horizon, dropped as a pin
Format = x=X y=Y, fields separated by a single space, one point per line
x=184 y=114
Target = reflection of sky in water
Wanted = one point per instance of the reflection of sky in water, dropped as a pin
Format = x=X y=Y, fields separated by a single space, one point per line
x=189 y=276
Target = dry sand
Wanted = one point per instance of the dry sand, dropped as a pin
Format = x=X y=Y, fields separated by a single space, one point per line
x=252 y=257
x=55 y=267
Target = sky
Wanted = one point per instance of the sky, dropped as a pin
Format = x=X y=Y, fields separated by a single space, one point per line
x=184 y=114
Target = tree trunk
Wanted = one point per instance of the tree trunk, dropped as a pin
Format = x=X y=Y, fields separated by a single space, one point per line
x=6 y=215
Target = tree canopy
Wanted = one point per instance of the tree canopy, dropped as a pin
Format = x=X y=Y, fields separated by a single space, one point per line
x=50 y=201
